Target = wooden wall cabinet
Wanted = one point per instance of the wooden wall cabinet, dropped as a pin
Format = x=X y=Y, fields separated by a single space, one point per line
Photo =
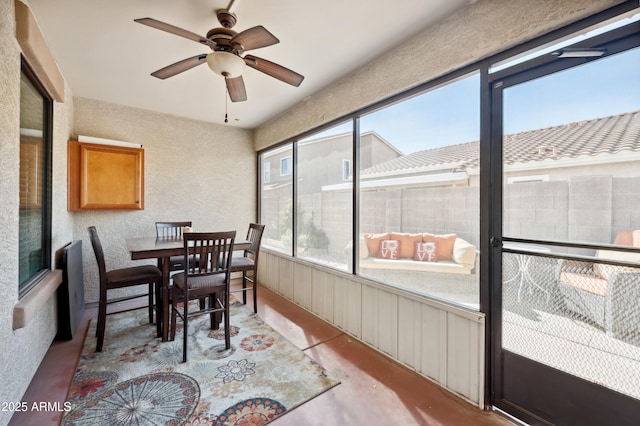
x=103 y=177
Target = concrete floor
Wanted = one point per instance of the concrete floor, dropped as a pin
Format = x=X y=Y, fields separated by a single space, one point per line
x=373 y=390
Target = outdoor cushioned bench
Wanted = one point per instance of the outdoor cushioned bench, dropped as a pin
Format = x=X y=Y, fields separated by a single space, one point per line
x=453 y=255
x=438 y=265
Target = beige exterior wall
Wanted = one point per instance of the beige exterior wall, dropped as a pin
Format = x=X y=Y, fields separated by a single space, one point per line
x=482 y=29
x=193 y=171
x=23 y=349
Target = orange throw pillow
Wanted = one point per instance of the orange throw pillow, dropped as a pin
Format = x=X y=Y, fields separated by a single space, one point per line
x=373 y=242
x=444 y=244
x=407 y=243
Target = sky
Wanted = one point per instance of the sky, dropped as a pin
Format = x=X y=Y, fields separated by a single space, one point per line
x=451 y=114
x=602 y=88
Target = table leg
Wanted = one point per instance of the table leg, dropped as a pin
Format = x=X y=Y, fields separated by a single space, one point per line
x=165 y=299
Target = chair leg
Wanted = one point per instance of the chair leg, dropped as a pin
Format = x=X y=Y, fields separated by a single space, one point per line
x=159 y=306
x=244 y=287
x=185 y=321
x=217 y=316
x=102 y=319
x=174 y=313
x=213 y=320
x=227 y=326
x=255 y=293
x=151 y=285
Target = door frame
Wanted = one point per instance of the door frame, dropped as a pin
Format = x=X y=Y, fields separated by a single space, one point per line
x=491 y=242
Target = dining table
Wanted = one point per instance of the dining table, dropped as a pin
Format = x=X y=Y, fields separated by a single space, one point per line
x=162 y=248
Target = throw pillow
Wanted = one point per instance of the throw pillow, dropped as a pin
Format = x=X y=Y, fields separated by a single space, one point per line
x=389 y=249
x=444 y=244
x=364 y=250
x=464 y=253
x=624 y=238
x=426 y=252
x=407 y=243
x=373 y=242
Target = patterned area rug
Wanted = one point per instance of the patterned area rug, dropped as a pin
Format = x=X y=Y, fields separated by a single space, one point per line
x=138 y=380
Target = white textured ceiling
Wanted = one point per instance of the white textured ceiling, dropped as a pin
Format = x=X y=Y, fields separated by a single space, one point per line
x=104 y=55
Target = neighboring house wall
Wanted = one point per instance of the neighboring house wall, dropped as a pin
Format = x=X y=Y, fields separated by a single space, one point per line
x=375 y=150
x=330 y=151
x=615 y=165
x=337 y=148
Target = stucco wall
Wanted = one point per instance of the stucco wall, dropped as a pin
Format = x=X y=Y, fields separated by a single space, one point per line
x=482 y=29
x=194 y=171
x=22 y=350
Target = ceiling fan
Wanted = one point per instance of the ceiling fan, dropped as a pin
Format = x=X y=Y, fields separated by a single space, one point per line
x=226 y=58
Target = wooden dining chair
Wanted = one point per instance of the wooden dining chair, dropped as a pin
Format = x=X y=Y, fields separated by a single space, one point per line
x=120 y=278
x=172 y=230
x=248 y=264
x=207 y=279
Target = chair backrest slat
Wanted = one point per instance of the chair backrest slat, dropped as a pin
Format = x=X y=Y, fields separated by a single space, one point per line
x=212 y=249
x=171 y=229
x=254 y=236
x=99 y=253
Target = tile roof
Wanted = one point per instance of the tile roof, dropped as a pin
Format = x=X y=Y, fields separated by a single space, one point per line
x=583 y=138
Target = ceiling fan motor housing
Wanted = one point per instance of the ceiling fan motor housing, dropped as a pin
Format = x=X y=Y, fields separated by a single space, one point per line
x=222 y=37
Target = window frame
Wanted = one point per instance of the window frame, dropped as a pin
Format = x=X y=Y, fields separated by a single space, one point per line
x=481 y=67
x=289 y=164
x=347 y=170
x=46 y=176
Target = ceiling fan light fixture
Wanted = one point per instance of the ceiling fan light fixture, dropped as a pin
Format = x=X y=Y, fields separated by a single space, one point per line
x=226 y=64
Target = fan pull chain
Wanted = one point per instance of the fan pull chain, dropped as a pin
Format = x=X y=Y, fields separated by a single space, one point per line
x=226 y=96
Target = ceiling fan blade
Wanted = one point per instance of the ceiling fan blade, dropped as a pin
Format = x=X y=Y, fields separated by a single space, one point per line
x=163 y=26
x=180 y=66
x=274 y=70
x=254 y=38
x=236 y=89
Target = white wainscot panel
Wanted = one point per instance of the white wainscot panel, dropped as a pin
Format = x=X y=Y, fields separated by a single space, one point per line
x=442 y=342
x=269 y=271
x=422 y=337
x=323 y=289
x=380 y=319
x=347 y=301
x=465 y=347
x=303 y=286
x=286 y=284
